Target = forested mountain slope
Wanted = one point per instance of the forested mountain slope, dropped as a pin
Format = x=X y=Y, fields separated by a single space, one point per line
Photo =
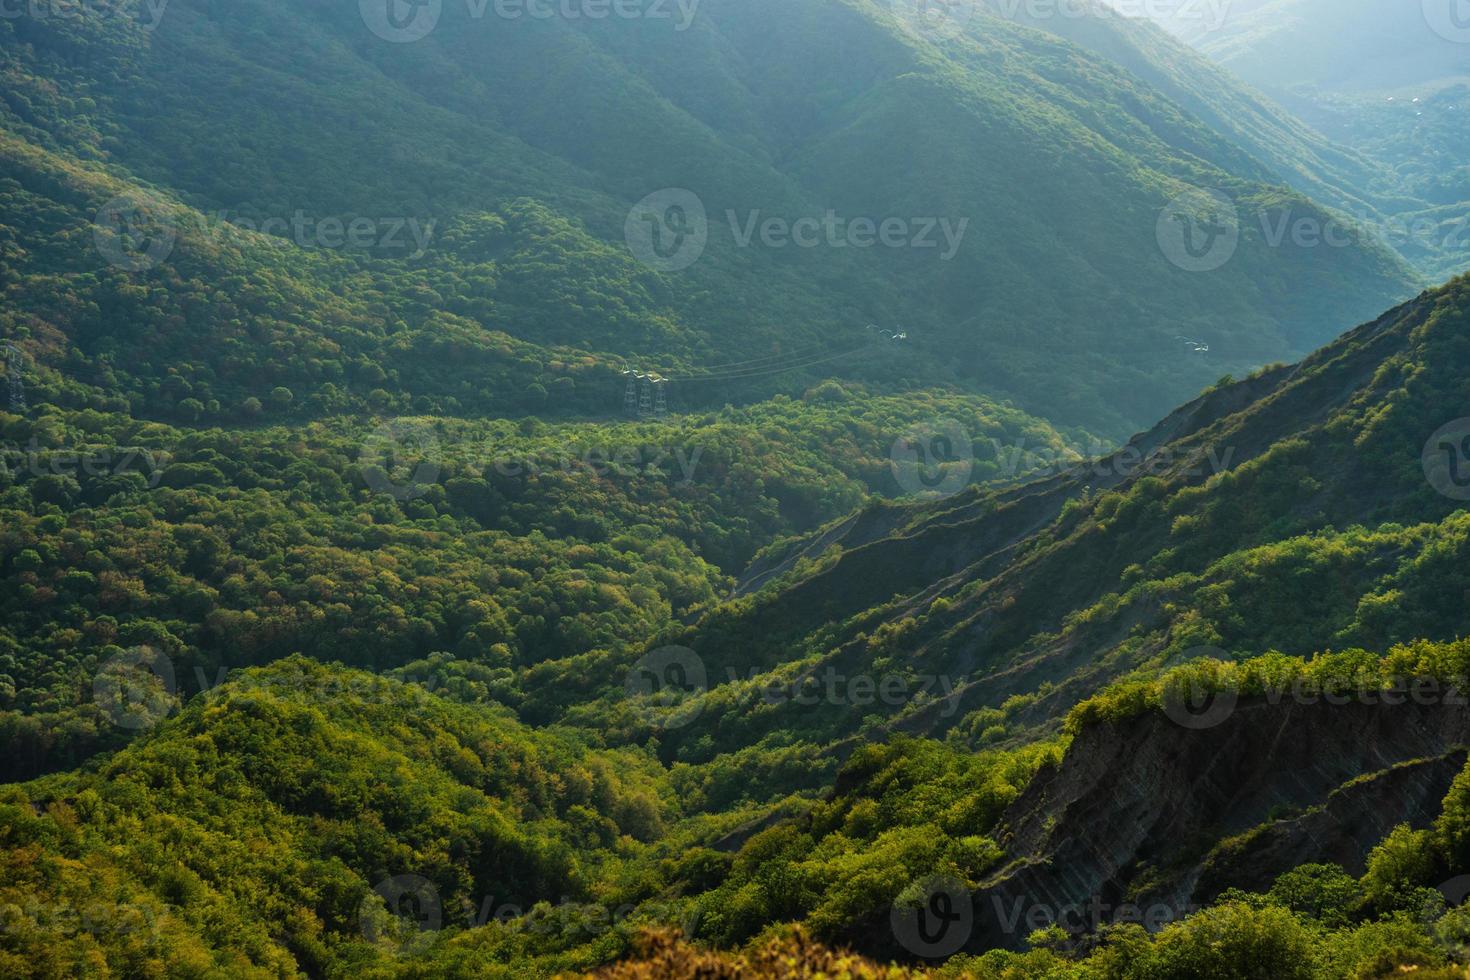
x=1292 y=546
x=1309 y=509
x=1313 y=475
x=498 y=207
x=355 y=625
x=484 y=549
x=272 y=808
x=1297 y=154
x=1387 y=81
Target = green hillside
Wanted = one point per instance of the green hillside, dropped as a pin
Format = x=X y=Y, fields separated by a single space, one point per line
x=482 y=548
x=1313 y=514
x=1047 y=165
x=1312 y=475
x=721 y=492
x=1021 y=631
x=1385 y=82
x=273 y=808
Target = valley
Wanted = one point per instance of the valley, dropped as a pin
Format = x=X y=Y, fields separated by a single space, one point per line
x=733 y=488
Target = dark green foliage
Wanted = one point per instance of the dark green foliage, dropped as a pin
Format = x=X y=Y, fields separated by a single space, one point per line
x=371 y=507
x=522 y=550
x=523 y=296
x=247 y=836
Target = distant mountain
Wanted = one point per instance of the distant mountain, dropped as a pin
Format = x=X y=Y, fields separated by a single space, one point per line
x=1390 y=80
x=1359 y=46
x=1296 y=153
x=1050 y=168
x=1395 y=162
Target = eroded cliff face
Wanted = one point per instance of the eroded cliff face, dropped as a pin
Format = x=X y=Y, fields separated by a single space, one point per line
x=1146 y=818
x=1342 y=830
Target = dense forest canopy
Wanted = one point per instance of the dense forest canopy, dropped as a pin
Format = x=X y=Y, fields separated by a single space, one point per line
x=496 y=210
x=732 y=488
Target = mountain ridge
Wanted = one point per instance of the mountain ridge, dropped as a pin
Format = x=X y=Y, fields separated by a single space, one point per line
x=998 y=108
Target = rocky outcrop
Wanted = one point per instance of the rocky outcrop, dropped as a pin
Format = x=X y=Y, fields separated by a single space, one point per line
x=1342 y=830
x=1145 y=819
